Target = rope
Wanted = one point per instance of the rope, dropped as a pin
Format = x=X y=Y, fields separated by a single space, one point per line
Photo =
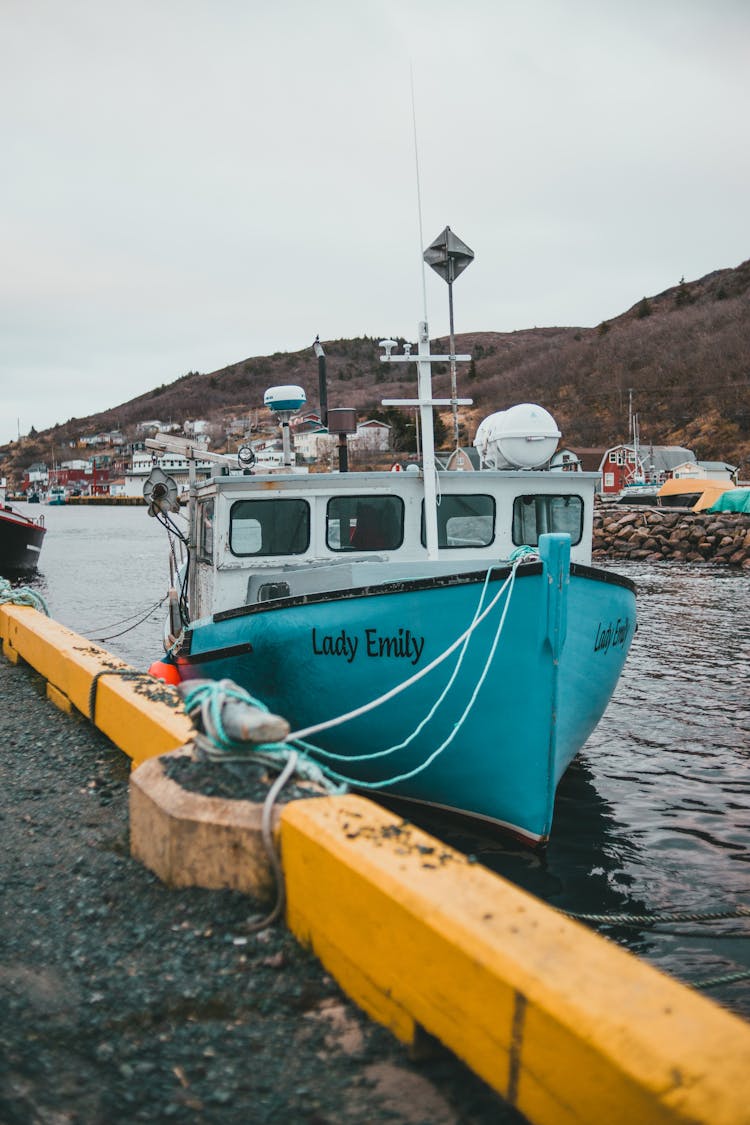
x=713 y=982
x=665 y=916
x=21 y=595
x=140 y=621
x=270 y=848
x=676 y=916
x=126 y=673
x=204 y=706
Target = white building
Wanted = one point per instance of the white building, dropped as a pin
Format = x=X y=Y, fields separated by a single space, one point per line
x=372 y=435
x=704 y=470
x=196 y=427
x=315 y=445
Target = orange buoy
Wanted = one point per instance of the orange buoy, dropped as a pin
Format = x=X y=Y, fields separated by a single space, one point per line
x=161 y=670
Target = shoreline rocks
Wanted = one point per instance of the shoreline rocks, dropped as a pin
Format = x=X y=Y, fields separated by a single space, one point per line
x=671 y=534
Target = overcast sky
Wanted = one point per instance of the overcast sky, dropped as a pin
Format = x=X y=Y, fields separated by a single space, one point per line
x=188 y=183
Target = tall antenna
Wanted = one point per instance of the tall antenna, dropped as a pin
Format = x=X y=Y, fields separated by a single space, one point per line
x=419 y=190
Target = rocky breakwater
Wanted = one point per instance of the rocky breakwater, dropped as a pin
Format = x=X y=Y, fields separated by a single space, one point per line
x=660 y=534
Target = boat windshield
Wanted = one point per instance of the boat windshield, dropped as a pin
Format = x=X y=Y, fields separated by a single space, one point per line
x=536 y=515
x=464 y=521
x=365 y=523
x=269 y=527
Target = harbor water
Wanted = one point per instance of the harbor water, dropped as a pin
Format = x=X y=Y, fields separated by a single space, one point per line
x=653 y=818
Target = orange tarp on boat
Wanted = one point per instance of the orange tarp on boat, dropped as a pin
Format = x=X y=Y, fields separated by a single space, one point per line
x=698 y=492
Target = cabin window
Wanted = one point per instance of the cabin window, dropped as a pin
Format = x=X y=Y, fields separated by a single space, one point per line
x=365 y=523
x=269 y=527
x=206 y=531
x=536 y=515
x=464 y=521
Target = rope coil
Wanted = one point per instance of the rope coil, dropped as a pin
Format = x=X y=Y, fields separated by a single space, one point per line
x=21 y=595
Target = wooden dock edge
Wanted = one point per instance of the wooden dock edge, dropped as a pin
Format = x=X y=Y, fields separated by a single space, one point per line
x=565 y=1025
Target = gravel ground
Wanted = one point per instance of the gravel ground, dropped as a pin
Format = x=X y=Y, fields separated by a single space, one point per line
x=124 y=1001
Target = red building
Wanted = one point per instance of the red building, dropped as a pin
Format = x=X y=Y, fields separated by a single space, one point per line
x=624 y=465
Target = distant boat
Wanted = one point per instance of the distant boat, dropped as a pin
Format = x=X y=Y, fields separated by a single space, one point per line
x=639 y=493
x=21 y=541
x=56 y=495
x=695 y=493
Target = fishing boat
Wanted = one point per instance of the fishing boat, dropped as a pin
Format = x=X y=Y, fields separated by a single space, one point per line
x=437 y=636
x=56 y=495
x=21 y=539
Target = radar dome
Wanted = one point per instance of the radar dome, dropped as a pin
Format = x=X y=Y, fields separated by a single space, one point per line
x=286 y=399
x=523 y=437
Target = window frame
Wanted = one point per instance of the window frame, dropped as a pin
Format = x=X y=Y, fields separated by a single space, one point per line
x=275 y=501
x=353 y=501
x=448 y=496
x=207 y=513
x=548 y=496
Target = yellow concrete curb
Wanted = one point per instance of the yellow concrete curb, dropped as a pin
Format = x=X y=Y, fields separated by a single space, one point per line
x=565 y=1025
x=190 y=840
x=143 y=716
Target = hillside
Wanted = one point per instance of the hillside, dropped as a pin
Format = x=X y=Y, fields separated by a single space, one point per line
x=684 y=354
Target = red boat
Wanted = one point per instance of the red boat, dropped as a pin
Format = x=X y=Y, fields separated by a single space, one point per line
x=21 y=541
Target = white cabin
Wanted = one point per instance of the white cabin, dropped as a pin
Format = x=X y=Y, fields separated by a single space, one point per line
x=262 y=537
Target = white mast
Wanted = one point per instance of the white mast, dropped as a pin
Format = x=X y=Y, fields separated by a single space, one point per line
x=425 y=402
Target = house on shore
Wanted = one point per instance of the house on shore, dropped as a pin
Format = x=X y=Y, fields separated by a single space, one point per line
x=627 y=464
x=705 y=470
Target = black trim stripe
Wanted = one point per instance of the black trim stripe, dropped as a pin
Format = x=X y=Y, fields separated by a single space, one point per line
x=214 y=654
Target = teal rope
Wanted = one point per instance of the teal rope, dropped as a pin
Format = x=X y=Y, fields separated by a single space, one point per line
x=208 y=698
x=21 y=595
x=528 y=554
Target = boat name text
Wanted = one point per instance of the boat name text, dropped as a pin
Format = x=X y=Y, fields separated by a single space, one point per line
x=613 y=636
x=403 y=645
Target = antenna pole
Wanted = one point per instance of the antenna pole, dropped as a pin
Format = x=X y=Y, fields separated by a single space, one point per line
x=419 y=191
x=452 y=350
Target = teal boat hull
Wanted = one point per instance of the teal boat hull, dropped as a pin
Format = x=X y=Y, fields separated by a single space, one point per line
x=498 y=725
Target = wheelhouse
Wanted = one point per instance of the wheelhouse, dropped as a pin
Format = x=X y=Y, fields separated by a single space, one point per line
x=264 y=537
